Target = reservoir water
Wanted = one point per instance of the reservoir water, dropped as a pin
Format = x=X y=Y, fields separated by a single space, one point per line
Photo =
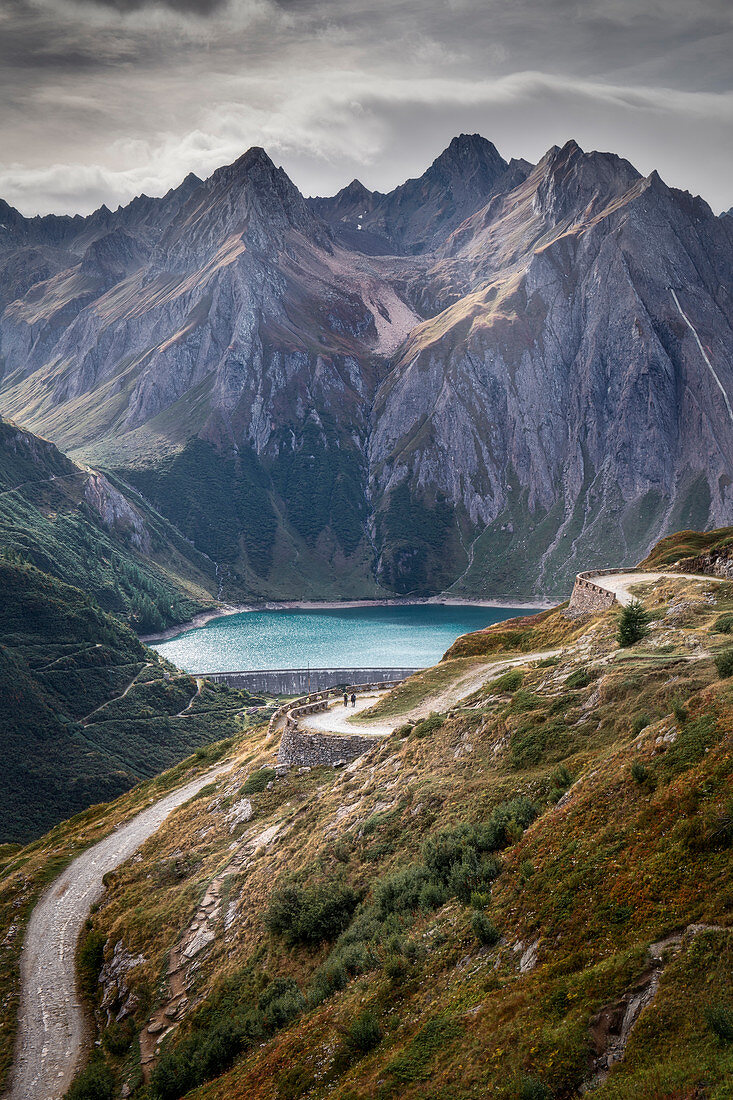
x=396 y=636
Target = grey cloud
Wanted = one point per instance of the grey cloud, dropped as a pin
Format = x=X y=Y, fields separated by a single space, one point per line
x=105 y=98
x=189 y=7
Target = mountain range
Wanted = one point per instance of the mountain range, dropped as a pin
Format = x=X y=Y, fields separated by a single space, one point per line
x=478 y=382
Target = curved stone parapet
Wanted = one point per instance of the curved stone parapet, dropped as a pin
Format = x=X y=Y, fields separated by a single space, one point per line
x=309 y=749
x=589 y=597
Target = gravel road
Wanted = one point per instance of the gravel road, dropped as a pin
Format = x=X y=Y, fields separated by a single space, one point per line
x=51 y=1019
x=620 y=583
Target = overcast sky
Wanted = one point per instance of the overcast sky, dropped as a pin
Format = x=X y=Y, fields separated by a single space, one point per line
x=101 y=100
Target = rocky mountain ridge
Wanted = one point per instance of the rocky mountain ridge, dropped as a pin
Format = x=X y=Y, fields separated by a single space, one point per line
x=474 y=382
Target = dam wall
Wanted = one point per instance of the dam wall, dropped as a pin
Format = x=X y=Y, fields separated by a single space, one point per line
x=300 y=681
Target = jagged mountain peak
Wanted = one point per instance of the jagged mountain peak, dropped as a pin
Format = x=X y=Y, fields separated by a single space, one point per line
x=251 y=197
x=355 y=190
x=569 y=180
x=252 y=167
x=465 y=148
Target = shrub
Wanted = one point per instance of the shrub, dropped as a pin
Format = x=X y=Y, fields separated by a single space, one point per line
x=363 y=1033
x=507 y=683
x=118 y=1037
x=432 y=896
x=526 y=870
x=719 y=1019
x=639 y=773
x=641 y=721
x=484 y=929
x=258 y=781
x=633 y=624
x=723 y=624
x=281 y=1002
x=561 y=778
x=724 y=663
x=395 y=968
x=91 y=958
x=96 y=1082
x=401 y=891
x=310 y=914
x=679 y=710
x=579 y=679
x=428 y=725
x=195 y=1060
x=531 y=1088
x=404 y=730
x=415 y=1061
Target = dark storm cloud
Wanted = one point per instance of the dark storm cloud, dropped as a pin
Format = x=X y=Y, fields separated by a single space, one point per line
x=190 y=7
x=103 y=99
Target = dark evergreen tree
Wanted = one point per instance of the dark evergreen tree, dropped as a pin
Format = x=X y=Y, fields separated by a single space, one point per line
x=633 y=623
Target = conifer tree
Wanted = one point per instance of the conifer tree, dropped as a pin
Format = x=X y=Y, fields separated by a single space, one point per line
x=633 y=623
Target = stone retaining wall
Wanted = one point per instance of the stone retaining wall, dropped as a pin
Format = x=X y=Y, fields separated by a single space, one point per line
x=589 y=597
x=306 y=749
x=298 y=748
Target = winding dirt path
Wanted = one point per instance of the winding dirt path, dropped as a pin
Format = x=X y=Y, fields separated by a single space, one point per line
x=51 y=1018
x=337 y=719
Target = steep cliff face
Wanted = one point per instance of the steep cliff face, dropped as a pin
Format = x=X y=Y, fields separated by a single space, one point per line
x=564 y=407
x=477 y=380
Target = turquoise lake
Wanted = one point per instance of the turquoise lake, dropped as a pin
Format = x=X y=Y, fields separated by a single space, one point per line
x=401 y=636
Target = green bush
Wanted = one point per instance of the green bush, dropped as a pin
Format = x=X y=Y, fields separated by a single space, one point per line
x=531 y=1088
x=633 y=624
x=363 y=1033
x=455 y=862
x=561 y=778
x=484 y=929
x=580 y=678
x=723 y=624
x=280 y=1003
x=195 y=1060
x=310 y=914
x=724 y=663
x=258 y=781
x=639 y=773
x=96 y=1082
x=416 y=1061
x=91 y=958
x=719 y=1019
x=641 y=721
x=428 y=725
x=679 y=710
x=118 y=1037
x=395 y=968
x=508 y=683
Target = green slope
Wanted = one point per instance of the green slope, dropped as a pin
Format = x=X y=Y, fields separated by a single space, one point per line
x=93 y=531
x=72 y=730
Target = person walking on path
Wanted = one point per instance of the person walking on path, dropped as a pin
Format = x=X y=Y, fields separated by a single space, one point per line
x=346 y=698
x=353 y=698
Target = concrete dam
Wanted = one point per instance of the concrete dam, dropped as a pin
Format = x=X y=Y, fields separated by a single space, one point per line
x=302 y=681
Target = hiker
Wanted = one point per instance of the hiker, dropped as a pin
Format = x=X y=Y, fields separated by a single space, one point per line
x=353 y=699
x=346 y=698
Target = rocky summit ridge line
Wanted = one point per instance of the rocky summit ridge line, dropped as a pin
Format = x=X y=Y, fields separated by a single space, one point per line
x=478 y=382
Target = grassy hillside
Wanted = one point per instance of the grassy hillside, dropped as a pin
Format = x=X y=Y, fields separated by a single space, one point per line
x=92 y=531
x=476 y=908
x=87 y=710
x=692 y=549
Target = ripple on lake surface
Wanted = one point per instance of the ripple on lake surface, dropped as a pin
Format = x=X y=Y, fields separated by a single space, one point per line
x=403 y=636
